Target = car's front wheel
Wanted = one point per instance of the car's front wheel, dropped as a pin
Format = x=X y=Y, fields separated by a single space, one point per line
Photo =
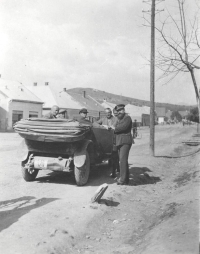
x=82 y=173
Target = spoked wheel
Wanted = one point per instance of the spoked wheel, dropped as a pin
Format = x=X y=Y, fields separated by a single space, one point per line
x=82 y=174
x=28 y=172
x=134 y=135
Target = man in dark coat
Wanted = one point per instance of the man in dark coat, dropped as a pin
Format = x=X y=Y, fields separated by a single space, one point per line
x=82 y=118
x=53 y=113
x=123 y=142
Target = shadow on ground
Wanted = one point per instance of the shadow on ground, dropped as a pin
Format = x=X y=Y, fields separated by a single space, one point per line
x=139 y=176
x=13 y=209
x=57 y=178
x=108 y=202
x=98 y=175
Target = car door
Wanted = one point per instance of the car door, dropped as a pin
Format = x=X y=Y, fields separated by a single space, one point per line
x=104 y=139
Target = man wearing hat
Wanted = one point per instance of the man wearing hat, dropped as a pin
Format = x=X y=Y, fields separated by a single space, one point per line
x=82 y=118
x=123 y=142
x=61 y=114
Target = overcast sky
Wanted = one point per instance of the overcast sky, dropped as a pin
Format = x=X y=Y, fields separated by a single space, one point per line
x=92 y=43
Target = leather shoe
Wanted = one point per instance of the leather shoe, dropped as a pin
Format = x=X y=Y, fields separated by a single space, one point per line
x=113 y=175
x=120 y=183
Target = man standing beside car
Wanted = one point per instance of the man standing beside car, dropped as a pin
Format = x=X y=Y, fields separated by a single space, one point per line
x=123 y=142
x=109 y=122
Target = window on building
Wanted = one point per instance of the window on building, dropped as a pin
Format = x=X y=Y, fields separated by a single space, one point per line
x=33 y=114
x=16 y=116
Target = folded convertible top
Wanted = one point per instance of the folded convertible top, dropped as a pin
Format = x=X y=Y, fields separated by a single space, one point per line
x=51 y=130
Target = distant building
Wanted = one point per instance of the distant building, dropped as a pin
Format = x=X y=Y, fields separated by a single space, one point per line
x=139 y=113
x=71 y=102
x=161 y=114
x=93 y=106
x=17 y=102
x=184 y=114
x=168 y=114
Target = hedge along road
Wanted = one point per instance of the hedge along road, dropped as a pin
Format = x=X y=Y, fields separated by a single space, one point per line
x=53 y=215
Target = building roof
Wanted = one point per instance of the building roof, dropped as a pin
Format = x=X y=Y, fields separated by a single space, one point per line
x=168 y=113
x=161 y=112
x=64 y=99
x=136 y=112
x=183 y=113
x=50 y=97
x=107 y=104
x=87 y=101
x=14 y=90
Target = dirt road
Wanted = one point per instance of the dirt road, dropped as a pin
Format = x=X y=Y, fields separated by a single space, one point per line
x=156 y=213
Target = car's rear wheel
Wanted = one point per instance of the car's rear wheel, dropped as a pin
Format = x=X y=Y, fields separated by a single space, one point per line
x=29 y=174
x=82 y=173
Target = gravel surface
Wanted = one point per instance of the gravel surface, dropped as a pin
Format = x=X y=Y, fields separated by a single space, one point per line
x=157 y=213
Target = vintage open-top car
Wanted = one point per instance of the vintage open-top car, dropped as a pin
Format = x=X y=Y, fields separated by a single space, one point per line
x=62 y=145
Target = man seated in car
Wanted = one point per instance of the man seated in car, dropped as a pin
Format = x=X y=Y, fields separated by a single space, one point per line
x=83 y=117
x=53 y=113
x=61 y=114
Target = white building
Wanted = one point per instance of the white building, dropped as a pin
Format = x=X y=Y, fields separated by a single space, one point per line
x=16 y=102
x=136 y=112
x=62 y=99
x=71 y=102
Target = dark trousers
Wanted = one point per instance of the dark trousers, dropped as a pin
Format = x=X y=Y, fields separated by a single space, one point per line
x=123 y=158
x=115 y=161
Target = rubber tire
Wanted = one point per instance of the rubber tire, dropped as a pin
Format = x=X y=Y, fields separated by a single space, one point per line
x=82 y=174
x=109 y=162
x=26 y=175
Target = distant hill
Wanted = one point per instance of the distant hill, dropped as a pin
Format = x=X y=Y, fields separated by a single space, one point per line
x=114 y=98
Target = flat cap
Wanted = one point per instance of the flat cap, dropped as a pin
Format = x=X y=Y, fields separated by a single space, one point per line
x=83 y=110
x=62 y=111
x=119 y=107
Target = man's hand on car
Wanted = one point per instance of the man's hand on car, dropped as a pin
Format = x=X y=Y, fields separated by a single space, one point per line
x=105 y=126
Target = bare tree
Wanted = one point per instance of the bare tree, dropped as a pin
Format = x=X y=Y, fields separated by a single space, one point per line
x=180 y=50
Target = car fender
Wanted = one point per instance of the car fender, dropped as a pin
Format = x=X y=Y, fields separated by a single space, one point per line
x=22 y=152
x=80 y=154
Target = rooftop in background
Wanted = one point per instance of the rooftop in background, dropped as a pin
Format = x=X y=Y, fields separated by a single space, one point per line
x=87 y=101
x=137 y=109
x=136 y=112
x=168 y=113
x=50 y=97
x=63 y=98
x=107 y=104
x=183 y=113
x=16 y=91
x=160 y=112
x=117 y=99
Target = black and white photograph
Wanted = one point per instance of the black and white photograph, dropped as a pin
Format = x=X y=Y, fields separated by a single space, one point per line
x=99 y=126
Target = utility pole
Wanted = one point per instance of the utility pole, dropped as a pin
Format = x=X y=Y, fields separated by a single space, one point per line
x=152 y=71
x=152 y=81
